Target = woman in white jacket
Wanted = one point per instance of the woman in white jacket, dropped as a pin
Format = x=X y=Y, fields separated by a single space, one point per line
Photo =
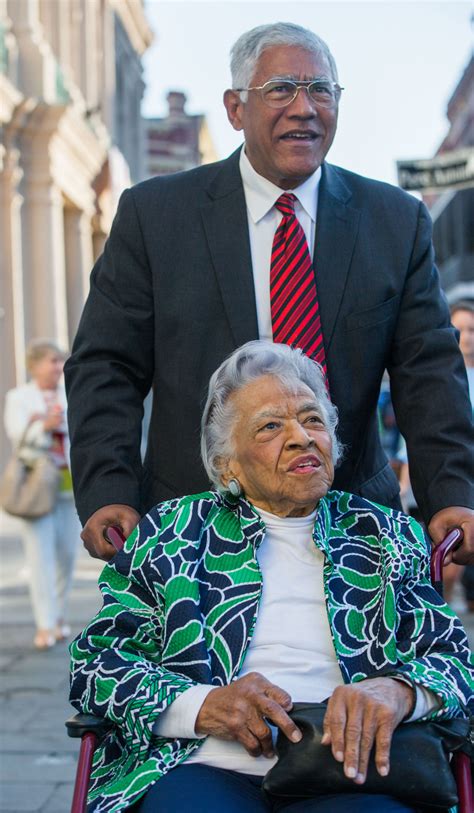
x=35 y=414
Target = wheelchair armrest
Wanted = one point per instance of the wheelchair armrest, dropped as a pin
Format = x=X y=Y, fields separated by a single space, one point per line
x=82 y=724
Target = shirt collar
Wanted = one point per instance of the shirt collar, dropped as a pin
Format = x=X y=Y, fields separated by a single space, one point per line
x=261 y=194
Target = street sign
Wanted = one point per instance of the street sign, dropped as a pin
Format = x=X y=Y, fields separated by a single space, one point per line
x=450 y=170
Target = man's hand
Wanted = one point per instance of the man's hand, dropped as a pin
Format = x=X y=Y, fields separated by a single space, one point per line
x=360 y=714
x=237 y=712
x=93 y=532
x=457 y=516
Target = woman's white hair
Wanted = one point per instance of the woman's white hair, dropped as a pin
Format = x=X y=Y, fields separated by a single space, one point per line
x=249 y=362
x=37 y=349
x=246 y=52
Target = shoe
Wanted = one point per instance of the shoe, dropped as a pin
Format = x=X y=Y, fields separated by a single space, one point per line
x=62 y=632
x=44 y=639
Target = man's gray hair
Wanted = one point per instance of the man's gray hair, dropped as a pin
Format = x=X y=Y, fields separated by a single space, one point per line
x=248 y=363
x=246 y=52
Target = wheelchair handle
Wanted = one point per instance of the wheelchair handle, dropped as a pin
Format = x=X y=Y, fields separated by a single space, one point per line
x=450 y=542
x=114 y=535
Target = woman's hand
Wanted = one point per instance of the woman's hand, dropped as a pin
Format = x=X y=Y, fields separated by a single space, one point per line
x=237 y=712
x=360 y=714
x=53 y=420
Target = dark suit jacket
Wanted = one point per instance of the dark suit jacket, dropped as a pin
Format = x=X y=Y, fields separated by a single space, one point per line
x=173 y=295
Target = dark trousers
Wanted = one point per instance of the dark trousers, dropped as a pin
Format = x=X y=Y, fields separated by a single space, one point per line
x=202 y=789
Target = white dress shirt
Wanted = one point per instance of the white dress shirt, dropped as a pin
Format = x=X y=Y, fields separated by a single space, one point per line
x=264 y=219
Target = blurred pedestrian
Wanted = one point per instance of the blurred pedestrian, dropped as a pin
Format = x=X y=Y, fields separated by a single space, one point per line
x=35 y=415
x=462 y=317
x=389 y=432
x=407 y=496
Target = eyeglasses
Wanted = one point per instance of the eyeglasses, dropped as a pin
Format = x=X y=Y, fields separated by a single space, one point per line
x=281 y=92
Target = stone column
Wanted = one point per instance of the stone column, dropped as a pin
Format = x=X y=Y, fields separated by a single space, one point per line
x=9 y=47
x=43 y=227
x=44 y=260
x=90 y=54
x=108 y=84
x=79 y=261
x=12 y=329
x=36 y=61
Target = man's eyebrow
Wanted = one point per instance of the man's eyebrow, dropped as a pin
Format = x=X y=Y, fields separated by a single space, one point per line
x=292 y=78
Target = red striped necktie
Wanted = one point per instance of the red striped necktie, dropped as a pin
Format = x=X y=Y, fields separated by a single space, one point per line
x=294 y=300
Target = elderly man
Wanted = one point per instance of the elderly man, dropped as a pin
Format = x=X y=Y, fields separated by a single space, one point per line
x=200 y=262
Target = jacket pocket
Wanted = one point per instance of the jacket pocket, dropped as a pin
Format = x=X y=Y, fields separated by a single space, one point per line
x=372 y=316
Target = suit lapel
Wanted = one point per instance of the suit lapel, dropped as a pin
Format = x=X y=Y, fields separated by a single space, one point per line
x=336 y=231
x=226 y=227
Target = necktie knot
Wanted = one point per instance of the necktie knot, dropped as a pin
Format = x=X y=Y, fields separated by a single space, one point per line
x=286 y=203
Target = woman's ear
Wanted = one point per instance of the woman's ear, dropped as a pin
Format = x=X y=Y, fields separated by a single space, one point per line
x=222 y=464
x=234 y=107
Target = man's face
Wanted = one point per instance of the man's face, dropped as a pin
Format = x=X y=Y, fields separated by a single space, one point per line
x=464 y=321
x=285 y=145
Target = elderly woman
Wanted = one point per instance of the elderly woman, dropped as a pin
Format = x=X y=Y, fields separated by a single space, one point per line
x=225 y=607
x=35 y=417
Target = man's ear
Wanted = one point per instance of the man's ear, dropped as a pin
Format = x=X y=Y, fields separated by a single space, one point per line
x=234 y=107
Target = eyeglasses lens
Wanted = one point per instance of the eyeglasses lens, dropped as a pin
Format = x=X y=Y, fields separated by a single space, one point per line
x=279 y=94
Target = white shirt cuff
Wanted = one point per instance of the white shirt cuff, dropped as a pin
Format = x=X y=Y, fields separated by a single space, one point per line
x=179 y=718
x=426 y=702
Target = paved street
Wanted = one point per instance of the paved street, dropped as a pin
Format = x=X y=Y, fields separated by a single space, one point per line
x=37 y=760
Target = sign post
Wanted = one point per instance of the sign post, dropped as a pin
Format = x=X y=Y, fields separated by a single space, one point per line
x=450 y=170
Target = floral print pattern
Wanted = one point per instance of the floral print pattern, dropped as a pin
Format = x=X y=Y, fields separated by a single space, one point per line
x=181 y=600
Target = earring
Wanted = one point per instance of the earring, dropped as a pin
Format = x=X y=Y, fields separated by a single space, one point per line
x=234 y=487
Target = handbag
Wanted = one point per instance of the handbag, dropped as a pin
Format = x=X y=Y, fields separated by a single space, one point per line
x=420 y=772
x=29 y=488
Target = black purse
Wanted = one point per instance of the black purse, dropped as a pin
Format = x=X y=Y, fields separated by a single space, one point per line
x=420 y=773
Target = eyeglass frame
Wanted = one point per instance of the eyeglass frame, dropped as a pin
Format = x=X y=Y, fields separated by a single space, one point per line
x=304 y=83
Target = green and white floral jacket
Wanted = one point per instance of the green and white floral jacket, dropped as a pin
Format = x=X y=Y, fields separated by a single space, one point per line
x=180 y=606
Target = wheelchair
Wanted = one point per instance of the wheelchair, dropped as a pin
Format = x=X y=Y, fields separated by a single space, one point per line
x=91 y=730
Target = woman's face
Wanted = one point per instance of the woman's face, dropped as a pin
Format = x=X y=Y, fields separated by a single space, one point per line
x=47 y=370
x=282 y=448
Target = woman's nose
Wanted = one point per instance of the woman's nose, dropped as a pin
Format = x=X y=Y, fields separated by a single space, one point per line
x=298 y=436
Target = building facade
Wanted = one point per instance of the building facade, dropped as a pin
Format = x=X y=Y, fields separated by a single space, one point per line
x=71 y=139
x=178 y=141
x=453 y=211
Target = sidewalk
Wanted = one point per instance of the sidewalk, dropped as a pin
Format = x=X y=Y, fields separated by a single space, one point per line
x=37 y=760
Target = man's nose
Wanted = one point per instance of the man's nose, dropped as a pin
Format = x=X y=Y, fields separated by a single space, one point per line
x=302 y=105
